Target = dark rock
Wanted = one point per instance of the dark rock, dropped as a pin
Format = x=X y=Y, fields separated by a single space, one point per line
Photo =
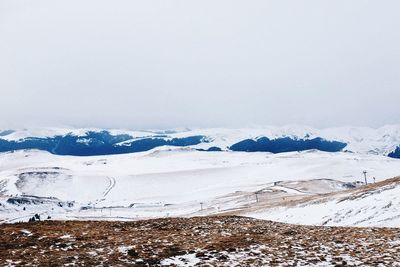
x=133 y=253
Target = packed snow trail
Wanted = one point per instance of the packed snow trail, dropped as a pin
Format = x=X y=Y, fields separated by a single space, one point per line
x=289 y=190
x=110 y=186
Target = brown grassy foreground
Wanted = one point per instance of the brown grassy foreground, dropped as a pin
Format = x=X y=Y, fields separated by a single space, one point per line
x=205 y=241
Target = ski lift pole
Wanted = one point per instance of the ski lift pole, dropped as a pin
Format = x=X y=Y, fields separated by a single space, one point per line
x=365 y=177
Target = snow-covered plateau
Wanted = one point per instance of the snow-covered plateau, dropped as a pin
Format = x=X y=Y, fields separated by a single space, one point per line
x=178 y=178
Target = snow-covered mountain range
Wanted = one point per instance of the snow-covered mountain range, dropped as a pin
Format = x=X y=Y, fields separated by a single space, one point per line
x=92 y=141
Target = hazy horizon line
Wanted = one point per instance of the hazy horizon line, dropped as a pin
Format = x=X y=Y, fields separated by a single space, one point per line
x=193 y=127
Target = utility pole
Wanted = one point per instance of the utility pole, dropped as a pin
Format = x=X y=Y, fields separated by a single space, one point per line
x=365 y=177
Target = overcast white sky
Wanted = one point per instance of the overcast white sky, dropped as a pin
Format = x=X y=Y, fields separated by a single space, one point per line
x=162 y=64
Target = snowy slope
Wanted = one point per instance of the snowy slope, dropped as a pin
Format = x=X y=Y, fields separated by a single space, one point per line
x=159 y=174
x=169 y=180
x=375 y=205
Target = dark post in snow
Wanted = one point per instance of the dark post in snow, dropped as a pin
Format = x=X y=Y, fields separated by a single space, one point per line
x=256 y=193
x=365 y=177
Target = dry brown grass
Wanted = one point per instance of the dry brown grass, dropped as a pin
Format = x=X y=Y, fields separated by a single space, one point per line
x=215 y=241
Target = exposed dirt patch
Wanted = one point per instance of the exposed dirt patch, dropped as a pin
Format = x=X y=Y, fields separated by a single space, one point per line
x=205 y=241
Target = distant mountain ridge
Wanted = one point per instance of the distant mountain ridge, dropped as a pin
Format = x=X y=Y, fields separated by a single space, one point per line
x=89 y=142
x=95 y=143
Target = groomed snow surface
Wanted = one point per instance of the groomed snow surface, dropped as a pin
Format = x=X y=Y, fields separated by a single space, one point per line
x=172 y=181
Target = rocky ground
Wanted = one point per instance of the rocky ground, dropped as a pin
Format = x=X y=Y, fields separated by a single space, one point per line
x=198 y=241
